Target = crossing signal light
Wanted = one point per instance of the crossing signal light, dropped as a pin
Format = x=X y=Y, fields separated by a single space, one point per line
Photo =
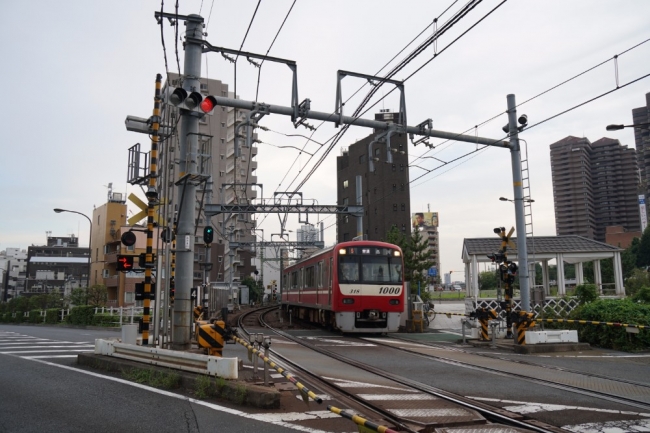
x=172 y=289
x=124 y=263
x=208 y=235
x=128 y=238
x=179 y=97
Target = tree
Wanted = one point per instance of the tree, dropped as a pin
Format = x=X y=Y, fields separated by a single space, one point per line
x=78 y=296
x=417 y=257
x=256 y=290
x=643 y=251
x=97 y=295
x=488 y=280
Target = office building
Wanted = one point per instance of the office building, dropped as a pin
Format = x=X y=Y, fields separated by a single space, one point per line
x=594 y=186
x=385 y=191
x=222 y=178
x=641 y=116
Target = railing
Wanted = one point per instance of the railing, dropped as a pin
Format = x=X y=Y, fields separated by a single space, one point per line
x=192 y=362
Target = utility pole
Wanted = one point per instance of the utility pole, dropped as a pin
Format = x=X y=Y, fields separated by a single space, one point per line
x=517 y=186
x=186 y=188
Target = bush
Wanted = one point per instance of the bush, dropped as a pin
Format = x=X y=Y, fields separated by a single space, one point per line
x=35 y=316
x=81 y=315
x=618 y=311
x=53 y=315
x=642 y=295
x=586 y=293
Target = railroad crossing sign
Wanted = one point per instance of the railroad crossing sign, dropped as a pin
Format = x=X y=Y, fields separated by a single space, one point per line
x=143 y=211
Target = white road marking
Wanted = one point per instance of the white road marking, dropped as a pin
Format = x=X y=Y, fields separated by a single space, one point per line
x=400 y=397
x=426 y=413
x=49 y=356
x=526 y=408
x=44 y=351
x=258 y=417
x=44 y=347
x=322 y=396
x=396 y=342
x=352 y=384
x=635 y=425
x=338 y=342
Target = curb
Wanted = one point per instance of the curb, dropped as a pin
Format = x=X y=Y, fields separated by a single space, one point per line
x=235 y=391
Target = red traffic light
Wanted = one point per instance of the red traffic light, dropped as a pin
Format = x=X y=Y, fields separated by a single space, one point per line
x=124 y=263
x=208 y=104
x=128 y=238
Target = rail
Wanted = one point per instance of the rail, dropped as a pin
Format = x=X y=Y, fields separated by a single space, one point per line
x=192 y=362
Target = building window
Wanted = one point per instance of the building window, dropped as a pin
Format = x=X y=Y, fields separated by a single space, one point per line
x=404 y=227
x=394 y=187
x=362 y=159
x=375 y=211
x=223 y=124
x=403 y=207
x=401 y=167
x=345 y=184
x=345 y=202
x=345 y=237
x=223 y=140
x=394 y=168
x=401 y=187
x=394 y=207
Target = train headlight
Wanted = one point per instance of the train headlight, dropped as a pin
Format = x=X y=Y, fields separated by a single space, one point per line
x=397 y=253
x=342 y=251
x=348 y=301
x=394 y=302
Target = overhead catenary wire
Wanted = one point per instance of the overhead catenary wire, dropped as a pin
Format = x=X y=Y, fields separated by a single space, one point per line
x=339 y=134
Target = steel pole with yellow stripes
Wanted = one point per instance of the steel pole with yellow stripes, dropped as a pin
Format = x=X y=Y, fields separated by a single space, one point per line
x=152 y=200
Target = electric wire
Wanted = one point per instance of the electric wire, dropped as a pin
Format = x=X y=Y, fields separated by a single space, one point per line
x=354 y=94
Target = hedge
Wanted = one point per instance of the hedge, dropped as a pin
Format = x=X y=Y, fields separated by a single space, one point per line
x=81 y=315
x=617 y=311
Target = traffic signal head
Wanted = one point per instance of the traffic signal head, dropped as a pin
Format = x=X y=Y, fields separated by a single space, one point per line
x=124 y=263
x=179 y=97
x=208 y=235
x=128 y=238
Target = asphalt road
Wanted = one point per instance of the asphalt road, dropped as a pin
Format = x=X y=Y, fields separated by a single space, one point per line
x=42 y=390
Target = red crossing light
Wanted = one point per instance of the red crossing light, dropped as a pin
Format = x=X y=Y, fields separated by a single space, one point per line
x=124 y=263
x=208 y=104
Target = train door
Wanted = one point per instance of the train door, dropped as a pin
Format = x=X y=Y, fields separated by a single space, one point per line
x=330 y=279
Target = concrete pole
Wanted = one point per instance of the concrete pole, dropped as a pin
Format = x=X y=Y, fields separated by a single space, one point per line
x=517 y=185
x=189 y=128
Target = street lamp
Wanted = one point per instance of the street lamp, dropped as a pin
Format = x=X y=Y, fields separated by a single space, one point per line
x=636 y=125
x=526 y=200
x=90 y=251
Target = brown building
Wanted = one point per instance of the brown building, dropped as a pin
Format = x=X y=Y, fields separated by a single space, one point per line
x=619 y=237
x=594 y=186
x=386 y=196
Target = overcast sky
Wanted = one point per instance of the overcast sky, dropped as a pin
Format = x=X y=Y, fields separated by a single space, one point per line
x=75 y=69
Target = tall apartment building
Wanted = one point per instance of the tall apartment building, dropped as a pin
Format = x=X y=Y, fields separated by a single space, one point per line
x=594 y=186
x=231 y=181
x=641 y=115
x=386 y=195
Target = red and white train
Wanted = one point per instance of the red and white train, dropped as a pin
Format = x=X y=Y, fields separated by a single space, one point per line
x=355 y=286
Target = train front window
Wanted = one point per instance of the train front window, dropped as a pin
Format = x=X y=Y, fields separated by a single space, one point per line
x=370 y=266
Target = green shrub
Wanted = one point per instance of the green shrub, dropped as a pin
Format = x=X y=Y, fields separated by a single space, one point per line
x=642 y=295
x=81 y=315
x=53 y=315
x=35 y=316
x=617 y=311
x=586 y=293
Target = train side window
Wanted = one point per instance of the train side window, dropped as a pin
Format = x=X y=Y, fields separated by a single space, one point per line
x=309 y=277
x=294 y=280
x=330 y=272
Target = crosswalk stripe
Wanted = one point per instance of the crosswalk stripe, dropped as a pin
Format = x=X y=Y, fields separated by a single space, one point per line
x=44 y=351
x=49 y=356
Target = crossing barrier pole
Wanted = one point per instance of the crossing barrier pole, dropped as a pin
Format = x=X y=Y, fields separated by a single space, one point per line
x=361 y=421
x=594 y=322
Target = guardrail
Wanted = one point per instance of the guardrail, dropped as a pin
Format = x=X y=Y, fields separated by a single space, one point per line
x=192 y=362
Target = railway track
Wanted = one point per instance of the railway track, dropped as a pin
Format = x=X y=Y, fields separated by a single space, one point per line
x=425 y=392
x=564 y=378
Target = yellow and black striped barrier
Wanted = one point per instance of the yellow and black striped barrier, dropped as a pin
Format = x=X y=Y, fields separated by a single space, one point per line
x=455 y=314
x=523 y=320
x=594 y=322
x=211 y=336
x=361 y=422
x=303 y=389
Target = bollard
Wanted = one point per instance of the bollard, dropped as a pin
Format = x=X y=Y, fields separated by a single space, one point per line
x=493 y=325
x=523 y=320
x=267 y=346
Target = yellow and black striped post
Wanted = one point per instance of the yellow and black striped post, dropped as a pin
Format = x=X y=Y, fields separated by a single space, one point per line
x=523 y=321
x=484 y=315
x=211 y=336
x=361 y=422
x=302 y=388
x=152 y=199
